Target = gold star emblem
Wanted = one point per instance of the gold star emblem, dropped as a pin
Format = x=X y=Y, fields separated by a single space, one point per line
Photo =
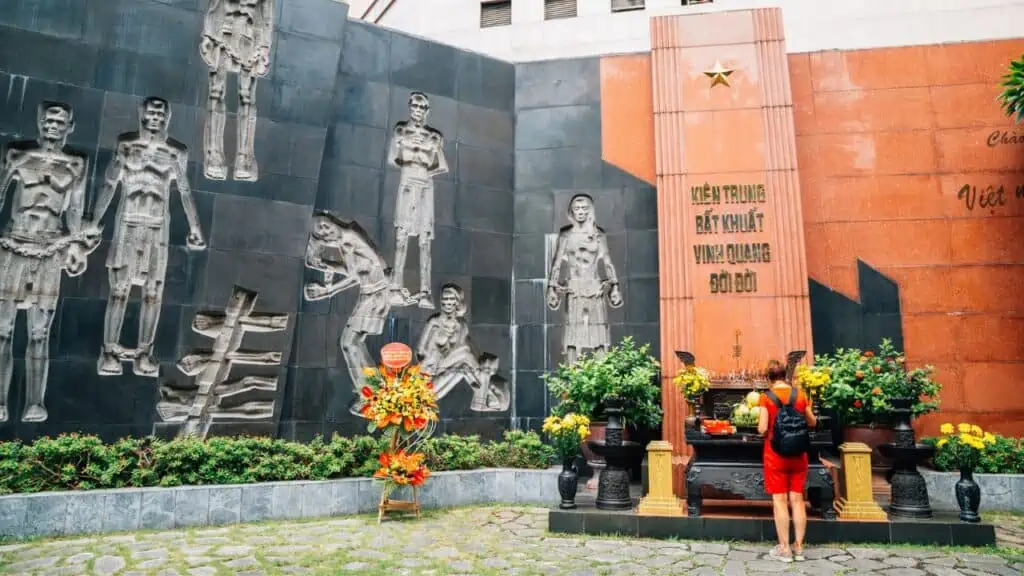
x=719 y=74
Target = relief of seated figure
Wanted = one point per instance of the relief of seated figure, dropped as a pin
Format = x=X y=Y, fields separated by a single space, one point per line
x=447 y=353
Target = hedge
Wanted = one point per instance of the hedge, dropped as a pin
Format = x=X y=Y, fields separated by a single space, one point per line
x=81 y=462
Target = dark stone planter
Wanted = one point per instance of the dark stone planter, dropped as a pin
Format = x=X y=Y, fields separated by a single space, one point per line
x=968 y=496
x=568 y=483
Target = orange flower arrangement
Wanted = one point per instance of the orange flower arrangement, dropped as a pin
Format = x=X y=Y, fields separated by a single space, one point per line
x=401 y=403
x=402 y=398
x=402 y=469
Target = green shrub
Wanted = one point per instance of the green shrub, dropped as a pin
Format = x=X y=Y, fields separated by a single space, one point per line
x=79 y=462
x=1004 y=456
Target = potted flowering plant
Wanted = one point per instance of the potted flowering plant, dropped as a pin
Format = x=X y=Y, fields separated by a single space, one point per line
x=692 y=382
x=400 y=402
x=964 y=445
x=626 y=371
x=864 y=387
x=1012 y=96
x=567 y=433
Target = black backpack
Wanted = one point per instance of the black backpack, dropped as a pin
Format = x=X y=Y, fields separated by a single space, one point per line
x=790 y=434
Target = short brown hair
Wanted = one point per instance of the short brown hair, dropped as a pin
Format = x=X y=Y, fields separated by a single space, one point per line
x=776 y=371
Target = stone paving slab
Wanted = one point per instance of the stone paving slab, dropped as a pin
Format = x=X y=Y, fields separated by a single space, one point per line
x=482 y=541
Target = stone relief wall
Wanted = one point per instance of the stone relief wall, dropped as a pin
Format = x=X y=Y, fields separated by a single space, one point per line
x=43 y=239
x=582 y=286
x=236 y=40
x=92 y=175
x=581 y=251
x=146 y=164
x=214 y=394
x=365 y=139
x=419 y=151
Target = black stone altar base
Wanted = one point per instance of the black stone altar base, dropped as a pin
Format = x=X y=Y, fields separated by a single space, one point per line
x=940 y=530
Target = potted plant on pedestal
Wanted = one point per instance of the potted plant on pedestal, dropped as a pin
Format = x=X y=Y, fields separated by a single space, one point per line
x=863 y=388
x=963 y=446
x=626 y=371
x=567 y=434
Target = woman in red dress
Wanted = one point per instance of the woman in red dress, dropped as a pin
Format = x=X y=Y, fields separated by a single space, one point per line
x=784 y=478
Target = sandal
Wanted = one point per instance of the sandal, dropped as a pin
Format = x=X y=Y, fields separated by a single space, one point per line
x=778 y=554
x=798 y=554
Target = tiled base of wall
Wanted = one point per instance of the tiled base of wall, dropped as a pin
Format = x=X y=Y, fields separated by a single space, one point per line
x=99 y=511
x=999 y=492
x=942 y=531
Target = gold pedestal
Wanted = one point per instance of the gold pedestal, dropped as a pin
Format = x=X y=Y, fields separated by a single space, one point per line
x=660 y=501
x=857 y=501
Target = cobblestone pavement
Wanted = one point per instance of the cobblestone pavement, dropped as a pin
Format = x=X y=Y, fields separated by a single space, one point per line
x=482 y=541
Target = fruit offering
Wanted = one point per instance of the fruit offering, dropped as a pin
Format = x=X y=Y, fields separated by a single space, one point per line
x=747 y=413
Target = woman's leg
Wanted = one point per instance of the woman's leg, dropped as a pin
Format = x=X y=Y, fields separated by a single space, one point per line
x=781 y=511
x=796 y=501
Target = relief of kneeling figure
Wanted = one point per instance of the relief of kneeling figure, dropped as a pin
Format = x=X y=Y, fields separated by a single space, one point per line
x=447 y=353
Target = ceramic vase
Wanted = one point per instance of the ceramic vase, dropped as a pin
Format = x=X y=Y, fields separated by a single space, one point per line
x=568 y=483
x=968 y=496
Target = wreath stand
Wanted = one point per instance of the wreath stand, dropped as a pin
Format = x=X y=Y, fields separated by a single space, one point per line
x=388 y=505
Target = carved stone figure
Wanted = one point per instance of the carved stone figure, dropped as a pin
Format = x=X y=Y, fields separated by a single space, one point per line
x=418 y=151
x=145 y=166
x=213 y=396
x=237 y=36
x=44 y=237
x=447 y=353
x=582 y=248
x=342 y=249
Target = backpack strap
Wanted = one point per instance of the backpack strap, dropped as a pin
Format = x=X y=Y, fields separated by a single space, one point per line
x=794 y=394
x=775 y=399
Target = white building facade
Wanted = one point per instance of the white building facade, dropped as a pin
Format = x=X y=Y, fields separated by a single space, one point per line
x=529 y=30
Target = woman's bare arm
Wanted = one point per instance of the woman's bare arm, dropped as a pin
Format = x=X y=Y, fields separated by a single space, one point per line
x=812 y=420
x=762 y=422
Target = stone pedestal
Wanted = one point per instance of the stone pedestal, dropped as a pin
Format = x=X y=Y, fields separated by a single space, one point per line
x=857 y=501
x=660 y=501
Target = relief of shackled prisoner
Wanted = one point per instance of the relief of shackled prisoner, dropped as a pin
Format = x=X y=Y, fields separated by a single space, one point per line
x=343 y=250
x=447 y=353
x=145 y=166
x=237 y=37
x=214 y=395
x=44 y=237
x=582 y=249
x=417 y=150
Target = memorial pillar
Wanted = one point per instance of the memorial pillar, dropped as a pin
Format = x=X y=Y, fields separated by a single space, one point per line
x=733 y=284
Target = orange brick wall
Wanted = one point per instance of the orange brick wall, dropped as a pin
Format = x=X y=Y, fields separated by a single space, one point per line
x=886 y=139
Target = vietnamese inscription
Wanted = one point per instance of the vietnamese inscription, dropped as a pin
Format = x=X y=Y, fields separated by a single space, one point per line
x=987 y=197
x=742 y=215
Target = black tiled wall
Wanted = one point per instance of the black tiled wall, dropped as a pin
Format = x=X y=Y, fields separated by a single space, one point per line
x=558 y=154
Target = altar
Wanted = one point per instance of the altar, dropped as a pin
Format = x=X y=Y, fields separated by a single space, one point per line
x=731 y=464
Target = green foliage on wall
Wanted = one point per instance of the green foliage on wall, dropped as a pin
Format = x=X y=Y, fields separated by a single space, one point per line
x=1012 y=96
x=76 y=462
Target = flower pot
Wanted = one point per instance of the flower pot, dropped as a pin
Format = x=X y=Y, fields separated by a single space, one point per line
x=873 y=437
x=691 y=416
x=568 y=483
x=968 y=496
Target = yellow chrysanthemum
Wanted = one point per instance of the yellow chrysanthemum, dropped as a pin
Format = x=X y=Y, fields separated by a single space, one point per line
x=584 y=431
x=964 y=428
x=947 y=428
x=370 y=372
x=989 y=438
x=942 y=442
x=976 y=430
